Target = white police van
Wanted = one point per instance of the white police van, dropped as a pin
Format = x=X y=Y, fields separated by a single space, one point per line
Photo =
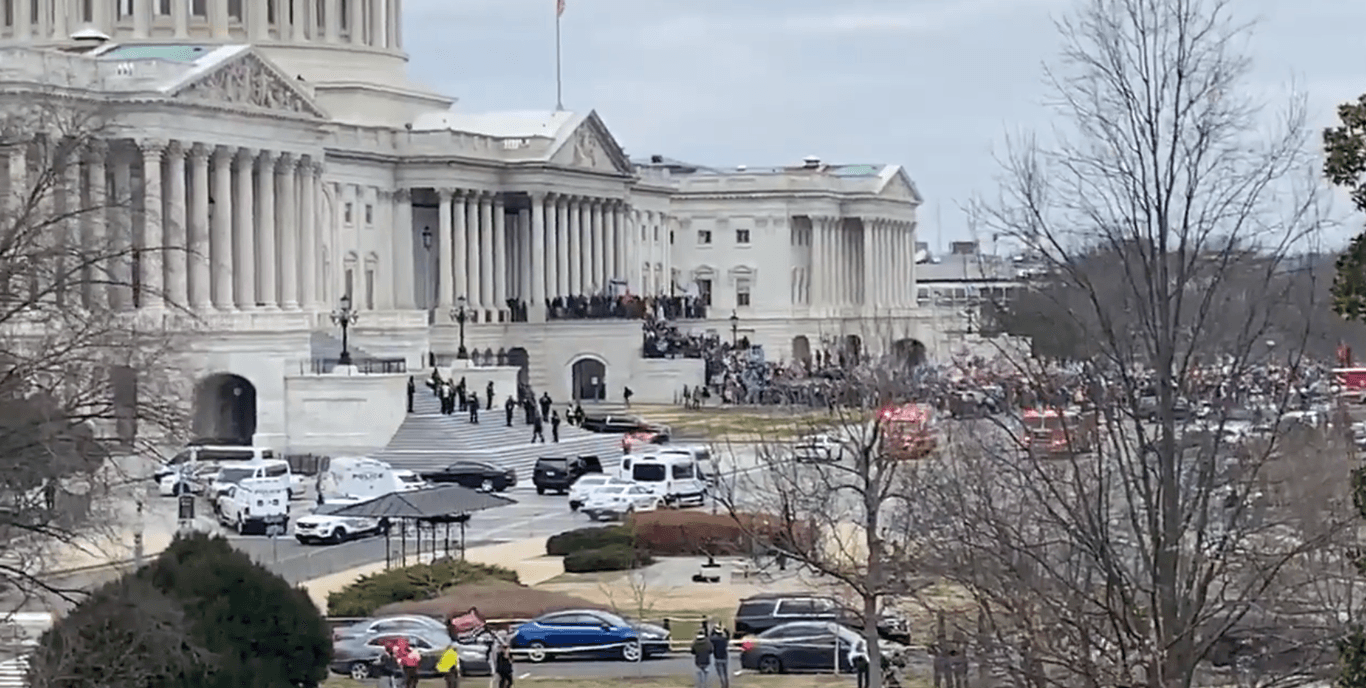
x=674 y=477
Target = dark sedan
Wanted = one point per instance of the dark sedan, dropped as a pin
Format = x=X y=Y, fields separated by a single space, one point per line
x=356 y=657
x=475 y=475
x=616 y=424
x=588 y=632
x=801 y=646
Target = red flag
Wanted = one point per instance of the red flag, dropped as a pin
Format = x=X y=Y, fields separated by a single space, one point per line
x=467 y=625
x=559 y=8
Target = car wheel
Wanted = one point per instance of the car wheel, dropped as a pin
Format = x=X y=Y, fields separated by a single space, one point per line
x=338 y=536
x=535 y=652
x=573 y=506
x=241 y=526
x=359 y=671
x=631 y=651
x=592 y=515
x=540 y=490
x=487 y=485
x=768 y=664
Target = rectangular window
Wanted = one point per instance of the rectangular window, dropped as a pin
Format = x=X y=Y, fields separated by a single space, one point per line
x=656 y=233
x=9 y=12
x=199 y=8
x=370 y=290
x=671 y=237
x=270 y=11
x=350 y=285
x=742 y=292
x=369 y=214
x=344 y=14
x=704 y=236
x=742 y=236
x=88 y=10
x=235 y=9
x=346 y=213
x=704 y=290
x=320 y=11
x=164 y=8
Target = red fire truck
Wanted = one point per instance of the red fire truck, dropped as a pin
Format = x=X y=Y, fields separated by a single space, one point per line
x=1054 y=432
x=908 y=430
x=1351 y=384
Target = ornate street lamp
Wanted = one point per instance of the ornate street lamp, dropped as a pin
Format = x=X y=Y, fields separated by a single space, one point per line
x=460 y=315
x=345 y=317
x=734 y=329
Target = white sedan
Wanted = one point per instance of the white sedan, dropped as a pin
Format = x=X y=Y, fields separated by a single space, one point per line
x=586 y=485
x=617 y=501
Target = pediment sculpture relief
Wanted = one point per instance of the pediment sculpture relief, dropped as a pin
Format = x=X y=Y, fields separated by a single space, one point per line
x=589 y=153
x=249 y=82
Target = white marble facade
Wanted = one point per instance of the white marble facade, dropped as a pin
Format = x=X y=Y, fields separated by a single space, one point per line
x=278 y=151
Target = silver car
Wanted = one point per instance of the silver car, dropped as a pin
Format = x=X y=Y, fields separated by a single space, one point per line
x=393 y=625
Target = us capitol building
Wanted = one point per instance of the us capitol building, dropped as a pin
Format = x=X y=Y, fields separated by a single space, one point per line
x=280 y=153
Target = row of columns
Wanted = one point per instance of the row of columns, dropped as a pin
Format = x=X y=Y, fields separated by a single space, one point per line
x=204 y=227
x=562 y=245
x=373 y=23
x=652 y=268
x=864 y=262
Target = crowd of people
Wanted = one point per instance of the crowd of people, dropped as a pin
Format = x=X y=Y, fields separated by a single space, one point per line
x=626 y=307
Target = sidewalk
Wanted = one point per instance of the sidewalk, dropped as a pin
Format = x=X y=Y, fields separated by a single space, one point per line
x=526 y=557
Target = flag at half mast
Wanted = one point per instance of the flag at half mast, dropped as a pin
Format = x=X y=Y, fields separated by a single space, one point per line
x=559 y=8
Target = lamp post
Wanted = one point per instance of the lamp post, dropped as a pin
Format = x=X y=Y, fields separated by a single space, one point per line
x=459 y=314
x=345 y=317
x=734 y=329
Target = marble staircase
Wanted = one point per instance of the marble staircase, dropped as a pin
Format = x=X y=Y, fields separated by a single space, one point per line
x=428 y=440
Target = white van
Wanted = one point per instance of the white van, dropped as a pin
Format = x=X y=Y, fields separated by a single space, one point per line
x=366 y=478
x=207 y=453
x=234 y=473
x=706 y=465
x=675 y=478
x=254 y=505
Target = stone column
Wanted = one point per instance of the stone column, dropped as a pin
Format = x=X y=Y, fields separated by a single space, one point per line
x=585 y=245
x=571 y=247
x=536 y=297
x=154 y=234
x=404 y=291
x=59 y=20
x=473 y=258
x=332 y=19
x=379 y=23
x=554 y=247
x=524 y=253
x=244 y=230
x=218 y=18
x=630 y=239
x=357 y=21
x=267 y=238
x=258 y=22
x=297 y=28
x=180 y=16
x=121 y=232
x=200 y=273
x=447 y=241
x=384 y=224
x=95 y=283
x=287 y=229
x=486 y=252
x=614 y=234
x=459 y=278
x=220 y=238
x=500 y=254
x=596 y=252
x=310 y=237
x=142 y=18
x=818 y=270
x=173 y=224
x=23 y=21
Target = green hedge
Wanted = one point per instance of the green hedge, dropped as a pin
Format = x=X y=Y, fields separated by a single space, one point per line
x=418 y=582
x=611 y=558
x=573 y=541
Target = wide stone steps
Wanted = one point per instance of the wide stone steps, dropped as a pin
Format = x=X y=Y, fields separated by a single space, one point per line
x=324 y=345
x=429 y=441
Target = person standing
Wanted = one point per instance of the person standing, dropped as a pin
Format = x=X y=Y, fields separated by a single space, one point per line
x=545 y=404
x=627 y=394
x=720 y=655
x=701 y=656
x=412 y=389
x=388 y=668
x=504 y=667
x=555 y=425
x=537 y=428
x=473 y=404
x=508 y=407
x=858 y=659
x=410 y=660
x=449 y=667
x=488 y=392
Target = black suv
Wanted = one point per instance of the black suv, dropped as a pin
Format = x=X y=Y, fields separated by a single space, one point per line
x=558 y=473
x=762 y=612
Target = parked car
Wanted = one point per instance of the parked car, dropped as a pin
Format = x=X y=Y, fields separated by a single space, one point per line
x=618 y=501
x=188 y=479
x=591 y=633
x=323 y=527
x=820 y=448
x=559 y=473
x=769 y=610
x=475 y=475
x=616 y=423
x=391 y=625
x=356 y=657
x=586 y=485
x=799 y=646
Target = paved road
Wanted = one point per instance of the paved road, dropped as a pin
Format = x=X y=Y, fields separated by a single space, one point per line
x=672 y=665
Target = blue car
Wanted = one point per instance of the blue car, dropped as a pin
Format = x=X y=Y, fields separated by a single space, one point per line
x=588 y=633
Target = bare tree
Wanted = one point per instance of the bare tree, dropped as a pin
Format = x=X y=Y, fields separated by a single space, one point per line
x=1170 y=219
x=86 y=380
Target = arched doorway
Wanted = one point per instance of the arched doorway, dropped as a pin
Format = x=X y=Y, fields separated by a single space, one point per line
x=520 y=359
x=225 y=410
x=589 y=379
x=801 y=349
x=909 y=352
x=853 y=349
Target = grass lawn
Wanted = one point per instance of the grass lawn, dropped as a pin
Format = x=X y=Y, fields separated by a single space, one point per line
x=747 y=680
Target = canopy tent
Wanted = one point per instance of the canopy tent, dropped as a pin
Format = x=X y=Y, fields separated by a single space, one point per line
x=442 y=504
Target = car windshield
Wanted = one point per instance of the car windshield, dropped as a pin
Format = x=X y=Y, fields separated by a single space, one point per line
x=649 y=472
x=235 y=475
x=611 y=618
x=410 y=478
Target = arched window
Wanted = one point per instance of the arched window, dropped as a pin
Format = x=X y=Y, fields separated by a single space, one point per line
x=371 y=270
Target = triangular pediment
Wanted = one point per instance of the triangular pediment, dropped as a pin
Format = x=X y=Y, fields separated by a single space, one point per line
x=900 y=187
x=250 y=82
x=590 y=146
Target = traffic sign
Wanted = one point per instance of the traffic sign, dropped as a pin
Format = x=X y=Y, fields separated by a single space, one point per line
x=186 y=507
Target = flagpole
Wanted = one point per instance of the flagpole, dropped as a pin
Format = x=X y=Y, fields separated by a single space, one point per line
x=559 y=81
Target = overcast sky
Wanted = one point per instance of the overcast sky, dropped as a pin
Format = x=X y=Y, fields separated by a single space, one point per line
x=930 y=84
